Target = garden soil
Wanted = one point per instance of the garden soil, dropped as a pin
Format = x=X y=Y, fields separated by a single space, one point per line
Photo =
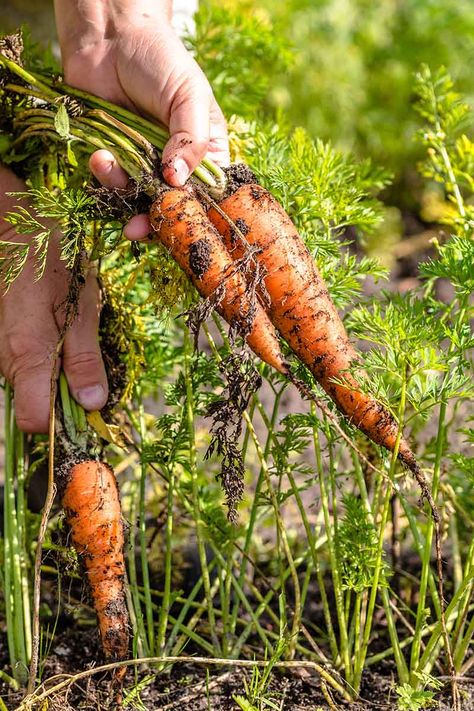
x=187 y=686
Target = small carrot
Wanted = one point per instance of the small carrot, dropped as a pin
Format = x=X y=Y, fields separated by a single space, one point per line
x=181 y=225
x=91 y=502
x=301 y=309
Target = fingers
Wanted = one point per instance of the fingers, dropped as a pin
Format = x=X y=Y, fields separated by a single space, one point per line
x=82 y=360
x=26 y=356
x=218 y=149
x=106 y=169
x=198 y=128
x=108 y=172
x=138 y=228
x=27 y=347
x=189 y=127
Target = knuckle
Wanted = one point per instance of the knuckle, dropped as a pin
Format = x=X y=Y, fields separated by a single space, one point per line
x=22 y=352
x=199 y=145
x=82 y=361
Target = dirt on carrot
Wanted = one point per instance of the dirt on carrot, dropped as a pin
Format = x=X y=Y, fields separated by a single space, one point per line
x=91 y=502
x=181 y=225
x=300 y=307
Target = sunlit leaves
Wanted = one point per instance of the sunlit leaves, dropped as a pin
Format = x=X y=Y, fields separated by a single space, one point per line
x=13 y=256
x=455 y=262
x=240 y=53
x=450 y=156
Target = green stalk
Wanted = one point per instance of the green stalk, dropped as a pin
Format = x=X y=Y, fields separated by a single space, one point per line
x=338 y=595
x=247 y=605
x=254 y=510
x=181 y=641
x=226 y=596
x=45 y=88
x=357 y=625
x=22 y=514
x=166 y=603
x=297 y=611
x=142 y=532
x=195 y=488
x=401 y=665
x=68 y=414
x=428 y=655
x=29 y=78
x=394 y=638
x=14 y=584
x=141 y=639
x=312 y=545
x=462 y=647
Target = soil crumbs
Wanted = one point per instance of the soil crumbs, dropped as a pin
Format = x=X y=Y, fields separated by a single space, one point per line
x=189 y=686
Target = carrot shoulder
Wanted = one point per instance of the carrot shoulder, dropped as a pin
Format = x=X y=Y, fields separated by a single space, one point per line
x=181 y=224
x=300 y=306
x=92 y=506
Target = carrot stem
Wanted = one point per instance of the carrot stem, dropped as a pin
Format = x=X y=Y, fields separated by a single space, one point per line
x=12 y=568
x=142 y=531
x=195 y=488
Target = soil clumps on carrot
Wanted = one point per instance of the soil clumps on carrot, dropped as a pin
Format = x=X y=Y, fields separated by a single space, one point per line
x=200 y=257
x=237 y=174
x=91 y=502
x=301 y=309
x=179 y=222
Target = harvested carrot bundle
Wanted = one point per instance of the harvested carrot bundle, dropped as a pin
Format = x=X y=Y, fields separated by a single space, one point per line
x=182 y=226
x=92 y=506
x=301 y=309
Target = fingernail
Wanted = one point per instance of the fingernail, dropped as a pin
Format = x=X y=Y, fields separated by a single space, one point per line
x=92 y=397
x=181 y=170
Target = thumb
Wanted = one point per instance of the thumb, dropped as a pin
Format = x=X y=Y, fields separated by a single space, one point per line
x=189 y=130
x=82 y=359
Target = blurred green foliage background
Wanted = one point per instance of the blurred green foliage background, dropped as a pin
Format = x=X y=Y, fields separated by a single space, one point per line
x=342 y=69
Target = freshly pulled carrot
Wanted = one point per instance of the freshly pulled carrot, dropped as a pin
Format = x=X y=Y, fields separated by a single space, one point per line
x=92 y=506
x=181 y=225
x=300 y=307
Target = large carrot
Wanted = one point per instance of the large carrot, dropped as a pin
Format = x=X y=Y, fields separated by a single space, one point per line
x=91 y=502
x=182 y=226
x=301 y=309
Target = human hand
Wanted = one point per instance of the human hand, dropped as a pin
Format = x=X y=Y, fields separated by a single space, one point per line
x=127 y=52
x=31 y=316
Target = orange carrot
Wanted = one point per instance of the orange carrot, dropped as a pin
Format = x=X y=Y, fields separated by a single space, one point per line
x=301 y=309
x=182 y=226
x=92 y=506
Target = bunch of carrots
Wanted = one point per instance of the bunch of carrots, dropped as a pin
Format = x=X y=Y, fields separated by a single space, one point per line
x=211 y=241
x=292 y=298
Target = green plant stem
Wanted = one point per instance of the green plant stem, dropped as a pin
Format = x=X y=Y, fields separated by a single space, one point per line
x=142 y=531
x=297 y=612
x=261 y=476
x=400 y=661
x=22 y=516
x=195 y=487
x=338 y=594
x=427 y=656
x=312 y=544
x=420 y=614
x=166 y=602
x=46 y=88
x=141 y=638
x=396 y=645
x=12 y=567
x=181 y=641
